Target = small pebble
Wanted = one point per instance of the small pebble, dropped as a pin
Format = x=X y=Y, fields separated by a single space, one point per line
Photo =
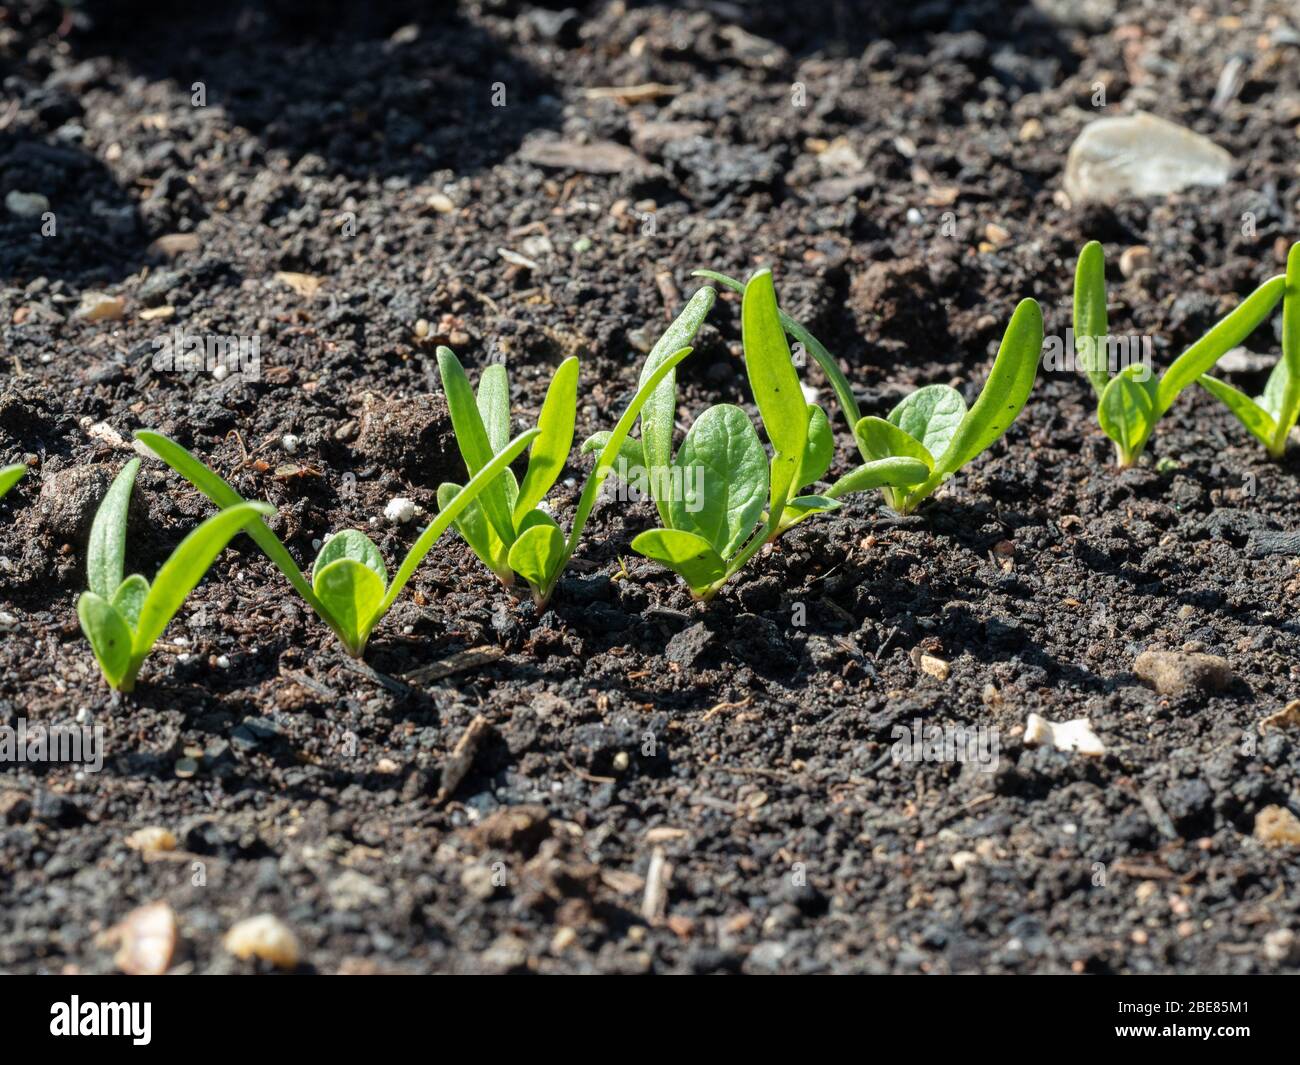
x=399 y=510
x=151 y=840
x=265 y=937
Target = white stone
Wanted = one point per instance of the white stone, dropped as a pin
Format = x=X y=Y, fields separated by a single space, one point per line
x=26 y=204
x=1137 y=155
x=1076 y=735
x=400 y=510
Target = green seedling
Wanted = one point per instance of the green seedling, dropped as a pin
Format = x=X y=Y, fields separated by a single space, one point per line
x=932 y=426
x=10 y=476
x=721 y=498
x=507 y=529
x=349 y=587
x=1132 y=400
x=123 y=618
x=1271 y=416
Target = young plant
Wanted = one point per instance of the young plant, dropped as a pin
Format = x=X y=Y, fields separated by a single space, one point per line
x=349 y=587
x=507 y=529
x=934 y=428
x=721 y=499
x=123 y=618
x=1132 y=401
x=10 y=476
x=1271 y=416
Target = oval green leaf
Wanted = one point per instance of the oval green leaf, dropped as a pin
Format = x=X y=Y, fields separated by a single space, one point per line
x=686 y=554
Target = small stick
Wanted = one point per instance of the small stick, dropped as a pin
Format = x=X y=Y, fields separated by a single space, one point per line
x=462 y=758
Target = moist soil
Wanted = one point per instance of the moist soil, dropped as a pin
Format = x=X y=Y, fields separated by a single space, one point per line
x=899 y=167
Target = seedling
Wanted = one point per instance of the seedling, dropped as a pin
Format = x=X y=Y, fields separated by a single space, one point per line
x=10 y=476
x=721 y=499
x=349 y=587
x=932 y=426
x=122 y=619
x=509 y=532
x=1133 y=400
x=1271 y=416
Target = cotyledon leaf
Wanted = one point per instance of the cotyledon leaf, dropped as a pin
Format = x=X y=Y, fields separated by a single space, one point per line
x=659 y=413
x=106 y=552
x=1251 y=414
x=1226 y=334
x=550 y=450
x=839 y=383
x=1090 y=321
x=186 y=567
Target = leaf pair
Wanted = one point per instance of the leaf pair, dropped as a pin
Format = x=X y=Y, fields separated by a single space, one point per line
x=933 y=427
x=349 y=587
x=10 y=476
x=723 y=498
x=122 y=618
x=1270 y=417
x=508 y=531
x=1133 y=400
x=506 y=528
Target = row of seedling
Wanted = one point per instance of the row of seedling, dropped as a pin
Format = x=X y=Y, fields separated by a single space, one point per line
x=732 y=496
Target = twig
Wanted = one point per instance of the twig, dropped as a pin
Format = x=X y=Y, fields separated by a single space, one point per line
x=462 y=758
x=455 y=663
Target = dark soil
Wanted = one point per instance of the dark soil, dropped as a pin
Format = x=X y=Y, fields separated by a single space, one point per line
x=752 y=751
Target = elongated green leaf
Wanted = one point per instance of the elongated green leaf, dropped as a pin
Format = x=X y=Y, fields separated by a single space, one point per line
x=630 y=454
x=450 y=513
x=819 y=450
x=224 y=496
x=186 y=567
x=106 y=552
x=130 y=597
x=1288 y=404
x=1004 y=394
x=838 y=382
x=353 y=592
x=686 y=554
x=1126 y=413
x=353 y=544
x=613 y=448
x=551 y=450
x=897 y=472
x=1271 y=399
x=472 y=439
x=1090 y=322
x=775 y=385
x=931 y=416
x=723 y=479
x=1248 y=412
x=659 y=413
x=538 y=553
x=879 y=439
x=475 y=530
x=1226 y=334
x=10 y=476
x=109 y=636
x=493 y=402
x=772 y=375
